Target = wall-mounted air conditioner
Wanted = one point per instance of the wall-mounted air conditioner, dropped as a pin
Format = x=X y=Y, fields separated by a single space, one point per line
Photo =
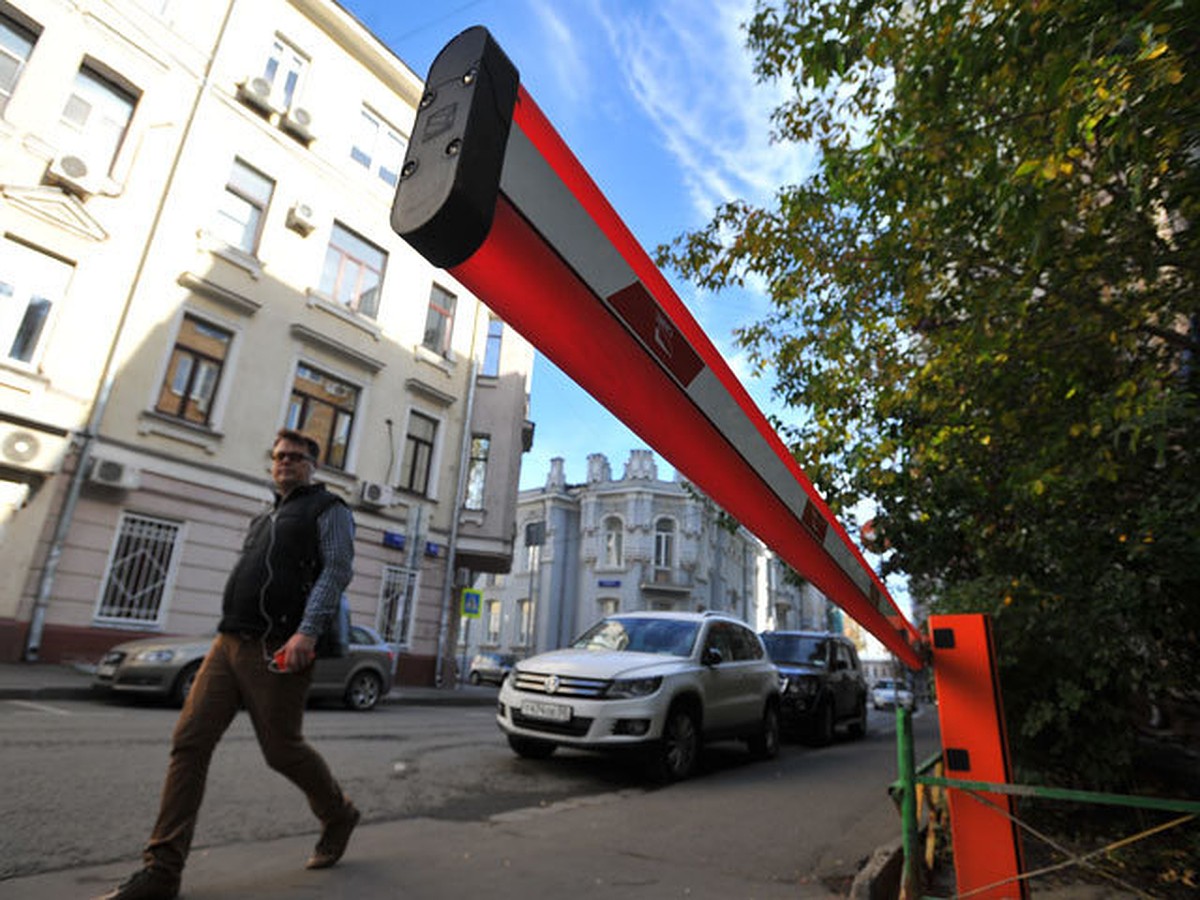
x=114 y=474
x=74 y=174
x=29 y=449
x=301 y=218
x=372 y=493
x=256 y=92
x=298 y=123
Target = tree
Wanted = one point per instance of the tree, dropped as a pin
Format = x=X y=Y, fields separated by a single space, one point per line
x=985 y=314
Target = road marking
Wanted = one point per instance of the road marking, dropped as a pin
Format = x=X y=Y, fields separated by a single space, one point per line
x=42 y=707
x=533 y=812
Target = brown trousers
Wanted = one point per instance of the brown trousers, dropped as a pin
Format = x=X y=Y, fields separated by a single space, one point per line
x=235 y=674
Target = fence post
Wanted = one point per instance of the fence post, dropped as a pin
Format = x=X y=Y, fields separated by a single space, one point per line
x=910 y=882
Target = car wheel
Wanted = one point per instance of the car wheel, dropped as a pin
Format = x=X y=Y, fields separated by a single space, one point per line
x=765 y=744
x=822 y=730
x=674 y=756
x=530 y=748
x=474 y=678
x=183 y=684
x=858 y=728
x=362 y=693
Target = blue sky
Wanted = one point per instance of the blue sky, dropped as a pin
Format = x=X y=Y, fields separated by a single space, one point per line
x=658 y=101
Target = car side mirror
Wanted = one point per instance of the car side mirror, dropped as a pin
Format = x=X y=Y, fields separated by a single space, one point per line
x=711 y=657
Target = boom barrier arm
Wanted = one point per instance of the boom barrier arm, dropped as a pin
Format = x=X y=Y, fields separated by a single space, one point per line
x=491 y=192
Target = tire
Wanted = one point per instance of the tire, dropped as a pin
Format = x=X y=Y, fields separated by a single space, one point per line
x=474 y=678
x=821 y=734
x=363 y=691
x=858 y=728
x=530 y=748
x=765 y=744
x=674 y=756
x=183 y=684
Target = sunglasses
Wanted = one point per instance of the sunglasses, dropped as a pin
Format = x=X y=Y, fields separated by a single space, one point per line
x=287 y=456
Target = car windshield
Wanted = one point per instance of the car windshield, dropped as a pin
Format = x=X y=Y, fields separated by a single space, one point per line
x=666 y=636
x=800 y=649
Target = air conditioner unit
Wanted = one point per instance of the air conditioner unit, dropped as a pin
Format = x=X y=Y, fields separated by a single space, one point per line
x=111 y=473
x=30 y=449
x=372 y=493
x=256 y=92
x=74 y=174
x=298 y=123
x=301 y=218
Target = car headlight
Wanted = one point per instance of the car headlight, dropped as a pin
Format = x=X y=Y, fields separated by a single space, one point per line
x=624 y=688
x=155 y=656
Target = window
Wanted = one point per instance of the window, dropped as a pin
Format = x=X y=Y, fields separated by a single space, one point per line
x=323 y=408
x=396 y=596
x=378 y=147
x=141 y=568
x=614 y=534
x=240 y=216
x=194 y=372
x=439 y=322
x=31 y=282
x=353 y=272
x=477 y=471
x=96 y=118
x=285 y=70
x=418 y=453
x=493 y=621
x=491 y=352
x=525 y=623
x=16 y=43
x=609 y=606
x=664 y=544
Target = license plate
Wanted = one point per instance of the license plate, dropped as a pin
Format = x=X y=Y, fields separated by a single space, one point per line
x=554 y=712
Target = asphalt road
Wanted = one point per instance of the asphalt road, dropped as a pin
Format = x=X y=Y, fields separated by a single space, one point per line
x=81 y=781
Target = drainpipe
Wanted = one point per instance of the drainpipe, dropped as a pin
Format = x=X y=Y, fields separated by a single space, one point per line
x=37 y=619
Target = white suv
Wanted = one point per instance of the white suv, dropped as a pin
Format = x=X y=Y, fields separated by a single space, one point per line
x=659 y=682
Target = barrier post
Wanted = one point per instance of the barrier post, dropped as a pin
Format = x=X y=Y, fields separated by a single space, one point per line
x=910 y=881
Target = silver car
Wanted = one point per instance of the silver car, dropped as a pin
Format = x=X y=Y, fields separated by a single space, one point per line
x=166 y=667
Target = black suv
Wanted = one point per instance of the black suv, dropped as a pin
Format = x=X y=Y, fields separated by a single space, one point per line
x=822 y=683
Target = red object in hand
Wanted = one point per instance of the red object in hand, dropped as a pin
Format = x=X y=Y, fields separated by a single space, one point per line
x=281 y=659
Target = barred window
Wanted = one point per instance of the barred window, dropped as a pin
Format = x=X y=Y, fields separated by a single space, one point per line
x=396 y=601
x=141 y=569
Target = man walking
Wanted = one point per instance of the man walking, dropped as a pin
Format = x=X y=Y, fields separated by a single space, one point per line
x=282 y=594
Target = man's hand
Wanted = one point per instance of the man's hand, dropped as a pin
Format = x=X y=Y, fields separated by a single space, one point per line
x=299 y=652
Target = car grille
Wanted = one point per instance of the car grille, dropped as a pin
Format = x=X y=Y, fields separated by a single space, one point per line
x=577 y=727
x=560 y=685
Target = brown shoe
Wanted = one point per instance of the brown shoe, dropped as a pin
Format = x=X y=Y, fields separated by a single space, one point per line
x=146 y=884
x=334 y=838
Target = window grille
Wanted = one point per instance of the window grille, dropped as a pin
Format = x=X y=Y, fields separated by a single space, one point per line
x=140 y=570
x=396 y=604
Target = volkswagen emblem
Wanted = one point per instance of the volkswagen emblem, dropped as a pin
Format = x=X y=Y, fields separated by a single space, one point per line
x=552 y=684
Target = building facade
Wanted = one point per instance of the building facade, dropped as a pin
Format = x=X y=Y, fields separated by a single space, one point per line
x=632 y=543
x=196 y=252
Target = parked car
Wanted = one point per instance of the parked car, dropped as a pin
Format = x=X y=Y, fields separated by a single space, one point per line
x=891 y=692
x=823 y=683
x=490 y=667
x=658 y=683
x=166 y=667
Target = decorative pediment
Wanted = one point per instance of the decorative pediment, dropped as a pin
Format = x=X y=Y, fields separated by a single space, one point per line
x=58 y=208
x=336 y=348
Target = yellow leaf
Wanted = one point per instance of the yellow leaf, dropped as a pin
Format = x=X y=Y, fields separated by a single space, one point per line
x=1157 y=51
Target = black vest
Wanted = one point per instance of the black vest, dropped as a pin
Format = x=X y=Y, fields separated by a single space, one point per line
x=269 y=586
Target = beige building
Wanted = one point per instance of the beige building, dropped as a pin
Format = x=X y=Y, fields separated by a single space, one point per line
x=196 y=251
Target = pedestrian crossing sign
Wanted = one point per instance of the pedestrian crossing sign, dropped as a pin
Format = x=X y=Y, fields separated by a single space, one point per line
x=472 y=602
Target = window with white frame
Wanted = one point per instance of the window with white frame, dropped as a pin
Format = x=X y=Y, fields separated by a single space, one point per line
x=285 y=70
x=396 y=603
x=493 y=621
x=96 y=118
x=31 y=283
x=194 y=372
x=439 y=321
x=664 y=544
x=378 y=147
x=323 y=407
x=477 y=471
x=418 y=453
x=16 y=43
x=614 y=542
x=141 y=570
x=491 y=351
x=239 y=218
x=524 y=622
x=353 y=271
